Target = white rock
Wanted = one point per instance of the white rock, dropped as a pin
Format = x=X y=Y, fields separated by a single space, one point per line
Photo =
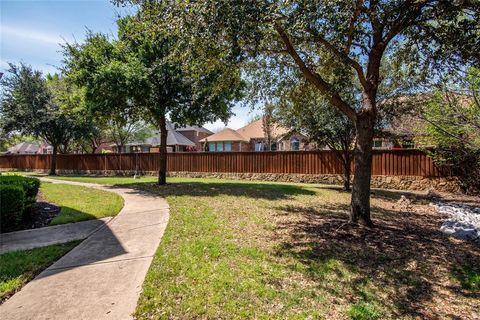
x=461 y=221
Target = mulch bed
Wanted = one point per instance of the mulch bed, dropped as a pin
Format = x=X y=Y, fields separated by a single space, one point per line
x=39 y=216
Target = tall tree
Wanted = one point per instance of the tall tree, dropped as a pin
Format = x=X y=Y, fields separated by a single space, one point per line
x=359 y=34
x=43 y=107
x=142 y=75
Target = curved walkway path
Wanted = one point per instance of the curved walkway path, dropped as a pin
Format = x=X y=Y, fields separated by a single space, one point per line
x=102 y=277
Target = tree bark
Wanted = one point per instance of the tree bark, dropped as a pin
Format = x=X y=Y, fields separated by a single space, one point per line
x=162 y=172
x=346 y=170
x=345 y=157
x=53 y=162
x=360 y=202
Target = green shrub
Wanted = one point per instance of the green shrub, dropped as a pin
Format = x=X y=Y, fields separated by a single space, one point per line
x=12 y=204
x=29 y=184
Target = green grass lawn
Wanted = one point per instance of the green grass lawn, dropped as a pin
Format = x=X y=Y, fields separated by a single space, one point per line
x=80 y=203
x=19 y=267
x=239 y=249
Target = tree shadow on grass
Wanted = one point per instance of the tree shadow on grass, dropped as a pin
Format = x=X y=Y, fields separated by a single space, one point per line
x=405 y=255
x=268 y=191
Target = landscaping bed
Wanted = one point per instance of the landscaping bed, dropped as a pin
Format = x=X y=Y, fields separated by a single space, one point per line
x=39 y=216
x=17 y=200
x=52 y=204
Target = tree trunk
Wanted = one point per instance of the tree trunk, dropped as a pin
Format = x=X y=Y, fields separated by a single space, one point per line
x=346 y=159
x=94 y=145
x=53 y=163
x=120 y=148
x=346 y=170
x=360 y=203
x=162 y=172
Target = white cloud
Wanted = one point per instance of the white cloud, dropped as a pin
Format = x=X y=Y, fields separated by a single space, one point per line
x=32 y=35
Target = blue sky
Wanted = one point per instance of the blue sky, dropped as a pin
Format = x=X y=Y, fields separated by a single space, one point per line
x=31 y=31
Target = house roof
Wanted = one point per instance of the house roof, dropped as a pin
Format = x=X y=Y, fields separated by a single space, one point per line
x=255 y=130
x=226 y=134
x=174 y=138
x=252 y=130
x=24 y=147
x=194 y=128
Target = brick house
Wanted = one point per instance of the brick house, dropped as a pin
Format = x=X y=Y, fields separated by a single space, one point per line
x=252 y=138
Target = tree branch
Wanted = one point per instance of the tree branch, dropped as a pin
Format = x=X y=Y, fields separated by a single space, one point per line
x=314 y=77
x=351 y=27
x=407 y=14
x=343 y=57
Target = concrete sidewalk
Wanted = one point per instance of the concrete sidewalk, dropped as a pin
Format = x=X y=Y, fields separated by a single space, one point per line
x=102 y=277
x=41 y=237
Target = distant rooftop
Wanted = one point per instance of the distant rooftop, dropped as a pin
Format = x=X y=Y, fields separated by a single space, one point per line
x=252 y=130
x=194 y=128
x=174 y=138
x=24 y=147
x=226 y=134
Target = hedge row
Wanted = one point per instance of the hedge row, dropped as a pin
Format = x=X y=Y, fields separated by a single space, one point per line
x=17 y=194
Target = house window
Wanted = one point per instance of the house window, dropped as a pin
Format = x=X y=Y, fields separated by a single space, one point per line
x=377 y=143
x=211 y=146
x=220 y=146
x=295 y=144
x=227 y=146
x=258 y=146
x=273 y=146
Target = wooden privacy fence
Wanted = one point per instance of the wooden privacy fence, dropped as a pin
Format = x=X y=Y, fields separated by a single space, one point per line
x=387 y=162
